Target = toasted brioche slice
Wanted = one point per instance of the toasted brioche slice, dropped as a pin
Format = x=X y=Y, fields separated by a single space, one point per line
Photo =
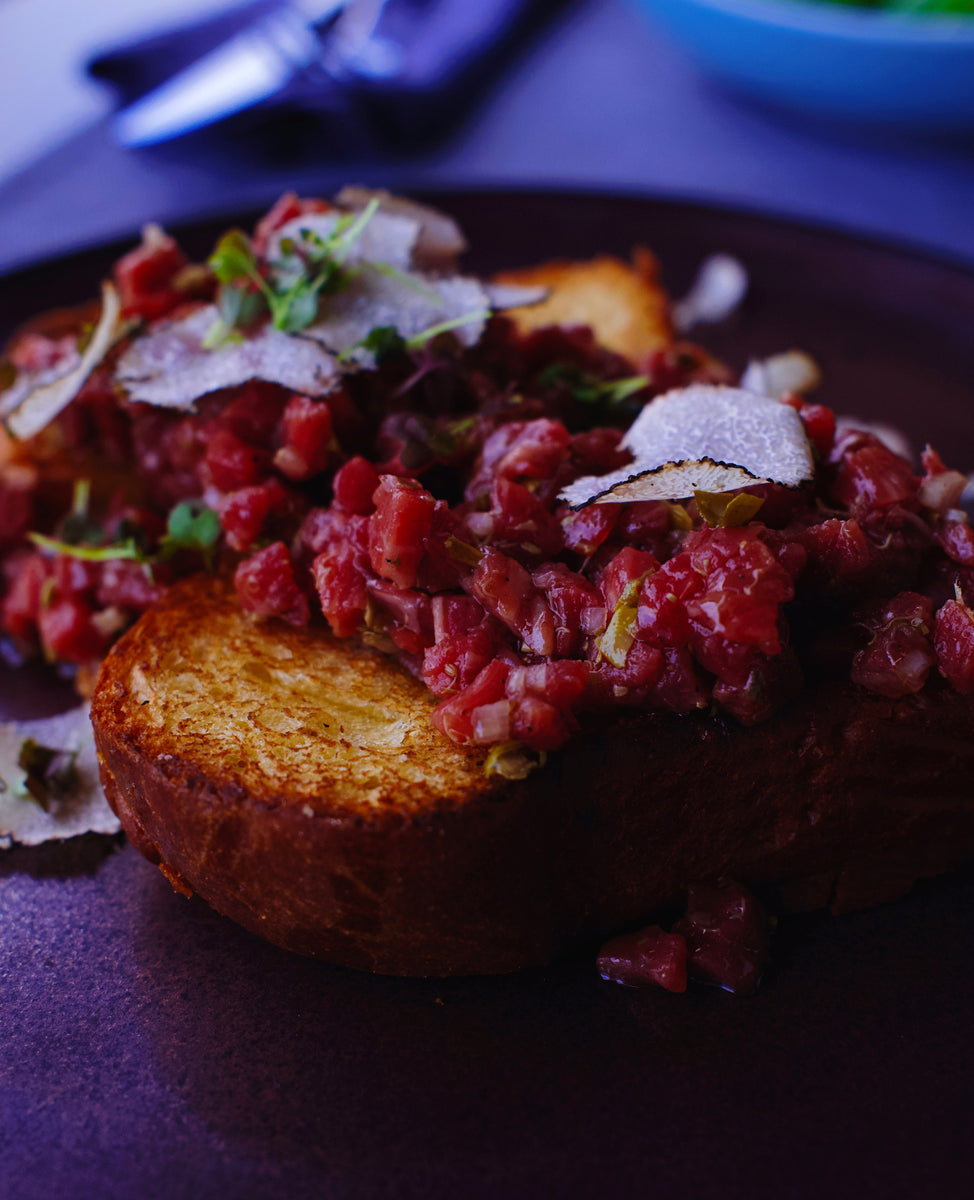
x=296 y=784
x=625 y=305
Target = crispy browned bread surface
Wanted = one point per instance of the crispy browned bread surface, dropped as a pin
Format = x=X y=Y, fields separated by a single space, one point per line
x=274 y=712
x=624 y=304
x=295 y=783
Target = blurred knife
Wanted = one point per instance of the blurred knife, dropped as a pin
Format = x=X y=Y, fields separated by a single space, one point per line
x=253 y=66
x=393 y=74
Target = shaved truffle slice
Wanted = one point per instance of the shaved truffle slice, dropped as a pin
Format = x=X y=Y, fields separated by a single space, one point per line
x=172 y=368
x=705 y=438
x=792 y=371
x=411 y=306
x=502 y=296
x=440 y=241
x=37 y=401
x=75 y=803
x=385 y=238
x=30 y=381
x=719 y=288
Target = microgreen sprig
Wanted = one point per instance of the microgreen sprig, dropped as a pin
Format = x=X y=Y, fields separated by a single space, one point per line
x=589 y=389
x=385 y=341
x=290 y=287
x=191 y=527
x=418 y=340
x=95 y=554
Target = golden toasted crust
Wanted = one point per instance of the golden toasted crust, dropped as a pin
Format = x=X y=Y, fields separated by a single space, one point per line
x=296 y=785
x=623 y=304
x=289 y=716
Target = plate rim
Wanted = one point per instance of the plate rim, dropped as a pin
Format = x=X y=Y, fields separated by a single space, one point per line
x=702 y=207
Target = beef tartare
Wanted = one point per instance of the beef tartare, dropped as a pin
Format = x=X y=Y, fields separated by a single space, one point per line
x=364 y=440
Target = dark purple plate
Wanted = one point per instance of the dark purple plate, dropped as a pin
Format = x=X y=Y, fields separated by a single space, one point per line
x=153 y=1049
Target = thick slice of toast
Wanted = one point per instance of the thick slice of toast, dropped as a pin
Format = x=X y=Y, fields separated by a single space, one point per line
x=296 y=784
x=624 y=305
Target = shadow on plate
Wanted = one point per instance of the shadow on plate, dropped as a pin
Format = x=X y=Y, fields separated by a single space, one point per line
x=549 y=1078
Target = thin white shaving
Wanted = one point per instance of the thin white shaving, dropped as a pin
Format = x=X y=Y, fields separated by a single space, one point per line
x=501 y=296
x=385 y=237
x=703 y=438
x=32 y=381
x=44 y=403
x=440 y=242
x=170 y=367
x=412 y=305
x=719 y=288
x=791 y=371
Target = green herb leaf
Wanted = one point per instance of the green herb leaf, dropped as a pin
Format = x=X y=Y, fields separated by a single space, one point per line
x=77 y=529
x=297 y=310
x=240 y=306
x=417 y=341
x=126 y=549
x=233 y=259
x=385 y=342
x=191 y=526
x=589 y=389
x=81 y=497
x=294 y=298
x=220 y=334
x=348 y=229
x=311 y=268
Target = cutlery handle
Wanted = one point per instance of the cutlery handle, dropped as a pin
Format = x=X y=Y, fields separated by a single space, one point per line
x=449 y=51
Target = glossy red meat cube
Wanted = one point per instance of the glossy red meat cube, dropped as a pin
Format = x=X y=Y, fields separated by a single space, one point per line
x=648 y=958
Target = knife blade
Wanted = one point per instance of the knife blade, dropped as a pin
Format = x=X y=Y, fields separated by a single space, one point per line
x=252 y=66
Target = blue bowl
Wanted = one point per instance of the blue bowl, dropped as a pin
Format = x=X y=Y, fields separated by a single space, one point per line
x=836 y=61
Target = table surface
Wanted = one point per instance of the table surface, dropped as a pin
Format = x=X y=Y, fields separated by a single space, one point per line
x=599 y=101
